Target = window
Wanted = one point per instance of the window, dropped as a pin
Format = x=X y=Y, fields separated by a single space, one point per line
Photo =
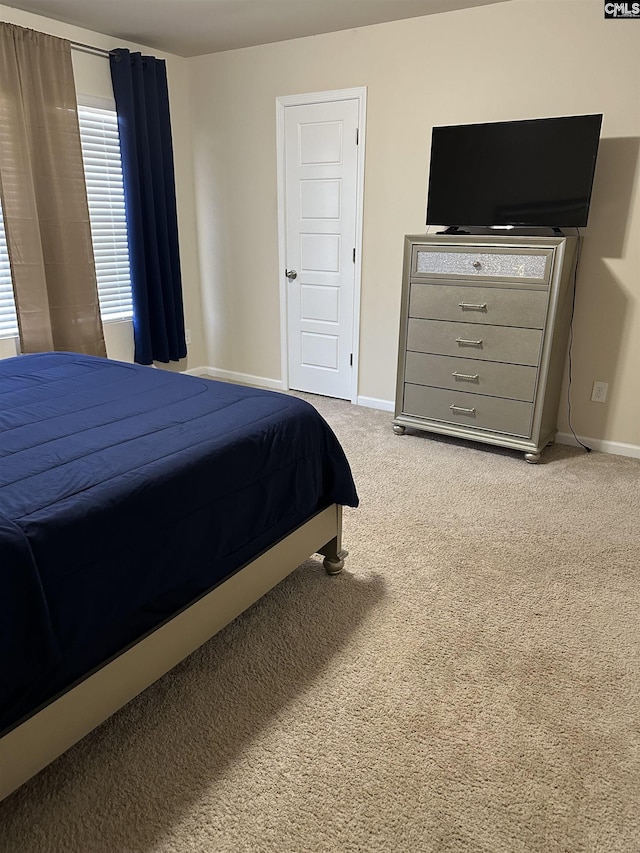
x=105 y=193
x=8 y=319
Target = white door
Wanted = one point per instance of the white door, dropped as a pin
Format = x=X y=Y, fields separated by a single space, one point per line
x=320 y=216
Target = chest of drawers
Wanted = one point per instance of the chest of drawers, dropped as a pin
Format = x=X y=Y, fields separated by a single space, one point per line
x=483 y=337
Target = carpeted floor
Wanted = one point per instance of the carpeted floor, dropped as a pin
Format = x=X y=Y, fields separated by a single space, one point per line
x=471 y=682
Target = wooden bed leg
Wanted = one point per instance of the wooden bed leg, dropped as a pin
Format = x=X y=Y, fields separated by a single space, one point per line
x=333 y=566
x=332 y=552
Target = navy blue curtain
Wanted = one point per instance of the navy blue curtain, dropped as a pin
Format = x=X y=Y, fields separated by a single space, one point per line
x=142 y=103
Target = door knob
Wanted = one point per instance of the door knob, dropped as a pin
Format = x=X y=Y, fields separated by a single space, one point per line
x=291 y=274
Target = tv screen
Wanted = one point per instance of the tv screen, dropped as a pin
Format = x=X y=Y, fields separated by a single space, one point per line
x=533 y=173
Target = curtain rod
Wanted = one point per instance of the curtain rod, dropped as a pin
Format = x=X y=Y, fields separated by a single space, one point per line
x=89 y=48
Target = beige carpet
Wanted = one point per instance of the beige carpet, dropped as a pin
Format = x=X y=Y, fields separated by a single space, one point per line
x=471 y=682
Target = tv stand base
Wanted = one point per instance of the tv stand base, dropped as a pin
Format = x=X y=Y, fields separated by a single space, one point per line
x=453 y=229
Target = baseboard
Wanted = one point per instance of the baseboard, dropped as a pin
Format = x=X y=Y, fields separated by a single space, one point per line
x=234 y=376
x=374 y=403
x=617 y=448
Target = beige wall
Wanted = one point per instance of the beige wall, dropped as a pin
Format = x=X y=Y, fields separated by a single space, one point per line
x=522 y=59
x=93 y=79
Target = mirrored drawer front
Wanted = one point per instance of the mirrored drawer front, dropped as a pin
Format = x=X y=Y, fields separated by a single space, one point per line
x=518 y=265
x=498 y=305
x=472 y=340
x=512 y=417
x=493 y=378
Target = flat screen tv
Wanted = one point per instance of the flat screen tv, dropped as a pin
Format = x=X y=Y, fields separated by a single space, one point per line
x=534 y=173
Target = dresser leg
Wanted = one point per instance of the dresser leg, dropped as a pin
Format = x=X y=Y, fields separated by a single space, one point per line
x=399 y=429
x=533 y=458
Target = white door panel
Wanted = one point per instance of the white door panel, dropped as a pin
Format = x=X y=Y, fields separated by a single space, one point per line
x=320 y=199
x=319 y=351
x=319 y=303
x=320 y=176
x=319 y=253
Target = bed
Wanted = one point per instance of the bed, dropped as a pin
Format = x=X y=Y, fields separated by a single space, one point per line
x=140 y=512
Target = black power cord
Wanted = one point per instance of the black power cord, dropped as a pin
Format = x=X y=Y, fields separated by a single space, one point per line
x=573 y=308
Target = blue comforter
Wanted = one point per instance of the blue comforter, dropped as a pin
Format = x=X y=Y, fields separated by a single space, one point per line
x=126 y=492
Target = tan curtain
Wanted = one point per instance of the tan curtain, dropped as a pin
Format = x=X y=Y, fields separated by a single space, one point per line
x=44 y=196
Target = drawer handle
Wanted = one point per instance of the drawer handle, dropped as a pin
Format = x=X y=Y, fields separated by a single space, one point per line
x=461 y=410
x=470 y=306
x=470 y=376
x=469 y=343
x=477 y=264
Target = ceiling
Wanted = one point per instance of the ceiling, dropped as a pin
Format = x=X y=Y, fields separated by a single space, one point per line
x=194 y=27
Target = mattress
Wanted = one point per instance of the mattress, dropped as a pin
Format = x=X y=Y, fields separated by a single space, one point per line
x=125 y=493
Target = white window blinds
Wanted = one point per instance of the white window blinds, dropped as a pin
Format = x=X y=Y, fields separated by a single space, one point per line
x=105 y=192
x=8 y=319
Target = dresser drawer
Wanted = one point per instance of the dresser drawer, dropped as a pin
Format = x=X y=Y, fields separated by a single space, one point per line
x=512 y=417
x=473 y=340
x=492 y=378
x=498 y=306
x=533 y=265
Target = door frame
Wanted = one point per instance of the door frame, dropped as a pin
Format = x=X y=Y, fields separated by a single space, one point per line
x=282 y=102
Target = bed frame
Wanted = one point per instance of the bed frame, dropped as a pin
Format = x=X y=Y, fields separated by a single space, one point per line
x=42 y=737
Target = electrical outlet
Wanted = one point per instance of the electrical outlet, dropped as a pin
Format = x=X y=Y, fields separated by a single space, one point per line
x=599 y=393
x=187 y=336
